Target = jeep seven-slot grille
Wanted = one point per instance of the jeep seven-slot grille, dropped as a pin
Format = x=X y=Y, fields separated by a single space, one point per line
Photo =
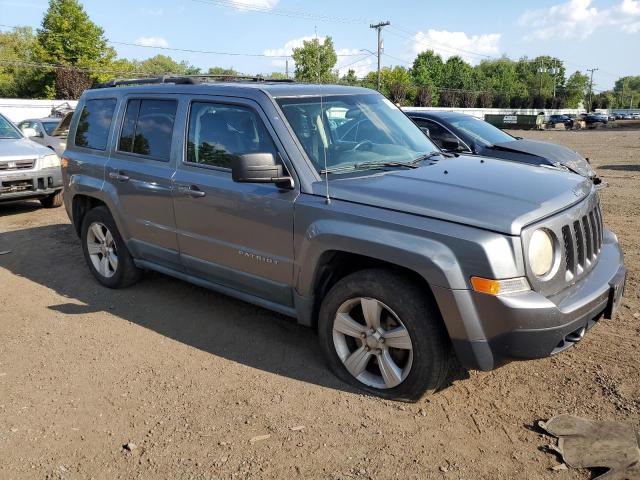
x=17 y=164
x=582 y=242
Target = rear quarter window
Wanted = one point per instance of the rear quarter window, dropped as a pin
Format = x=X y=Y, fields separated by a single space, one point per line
x=94 y=123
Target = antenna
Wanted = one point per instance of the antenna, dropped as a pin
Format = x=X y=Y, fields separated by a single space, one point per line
x=324 y=151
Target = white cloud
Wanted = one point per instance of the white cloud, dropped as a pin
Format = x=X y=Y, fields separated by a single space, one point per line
x=448 y=44
x=630 y=7
x=151 y=12
x=353 y=59
x=152 y=41
x=248 y=5
x=579 y=19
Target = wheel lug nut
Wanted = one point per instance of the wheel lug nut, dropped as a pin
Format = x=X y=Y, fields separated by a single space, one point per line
x=366 y=348
x=381 y=340
x=363 y=335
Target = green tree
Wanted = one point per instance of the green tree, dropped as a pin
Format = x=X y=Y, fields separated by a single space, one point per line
x=17 y=49
x=500 y=79
x=227 y=72
x=70 y=39
x=397 y=84
x=315 y=61
x=576 y=89
x=162 y=64
x=627 y=91
x=277 y=76
x=428 y=71
x=350 y=78
x=458 y=74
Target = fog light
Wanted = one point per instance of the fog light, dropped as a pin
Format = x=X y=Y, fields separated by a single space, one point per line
x=500 y=287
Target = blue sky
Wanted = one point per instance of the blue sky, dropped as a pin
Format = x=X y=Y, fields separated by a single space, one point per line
x=584 y=33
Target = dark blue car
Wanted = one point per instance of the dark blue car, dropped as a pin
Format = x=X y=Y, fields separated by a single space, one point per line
x=457 y=132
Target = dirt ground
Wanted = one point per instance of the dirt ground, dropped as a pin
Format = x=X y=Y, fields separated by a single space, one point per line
x=209 y=387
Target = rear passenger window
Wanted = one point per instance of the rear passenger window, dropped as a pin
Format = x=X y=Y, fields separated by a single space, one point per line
x=148 y=127
x=218 y=132
x=95 y=122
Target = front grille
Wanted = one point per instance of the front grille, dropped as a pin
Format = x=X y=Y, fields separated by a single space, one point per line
x=582 y=243
x=17 y=165
x=578 y=231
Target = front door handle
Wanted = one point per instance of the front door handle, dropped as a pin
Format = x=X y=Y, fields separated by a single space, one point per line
x=191 y=191
x=119 y=176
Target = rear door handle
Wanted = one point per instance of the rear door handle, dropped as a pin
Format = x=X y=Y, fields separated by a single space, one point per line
x=191 y=191
x=119 y=176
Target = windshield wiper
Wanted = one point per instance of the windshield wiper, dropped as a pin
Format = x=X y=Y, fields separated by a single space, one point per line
x=369 y=165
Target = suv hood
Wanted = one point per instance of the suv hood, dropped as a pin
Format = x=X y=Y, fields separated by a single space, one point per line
x=18 y=148
x=482 y=192
x=554 y=154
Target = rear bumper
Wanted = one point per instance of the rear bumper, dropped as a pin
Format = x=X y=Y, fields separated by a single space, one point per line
x=488 y=331
x=17 y=185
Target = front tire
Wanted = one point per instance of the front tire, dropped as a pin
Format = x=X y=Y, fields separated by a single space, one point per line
x=52 y=201
x=383 y=334
x=105 y=252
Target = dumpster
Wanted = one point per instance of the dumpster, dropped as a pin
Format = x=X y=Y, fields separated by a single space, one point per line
x=514 y=120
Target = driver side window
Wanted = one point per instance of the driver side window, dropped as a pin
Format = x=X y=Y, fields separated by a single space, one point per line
x=218 y=132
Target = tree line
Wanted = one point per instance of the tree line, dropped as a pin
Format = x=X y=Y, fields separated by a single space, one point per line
x=70 y=53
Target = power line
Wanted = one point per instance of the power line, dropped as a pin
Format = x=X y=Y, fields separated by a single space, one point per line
x=53 y=66
x=402 y=33
x=190 y=50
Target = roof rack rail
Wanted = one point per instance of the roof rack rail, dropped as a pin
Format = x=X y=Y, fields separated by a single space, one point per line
x=189 y=80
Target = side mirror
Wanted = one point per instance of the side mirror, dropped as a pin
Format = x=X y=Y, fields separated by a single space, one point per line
x=29 y=132
x=425 y=130
x=451 y=144
x=259 y=168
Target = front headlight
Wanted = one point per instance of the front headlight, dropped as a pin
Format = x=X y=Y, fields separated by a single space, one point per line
x=541 y=253
x=49 y=161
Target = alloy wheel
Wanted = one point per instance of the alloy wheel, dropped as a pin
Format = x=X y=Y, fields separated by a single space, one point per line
x=102 y=249
x=372 y=342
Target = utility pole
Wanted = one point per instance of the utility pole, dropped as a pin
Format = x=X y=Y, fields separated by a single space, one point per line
x=287 y=67
x=379 y=27
x=591 y=87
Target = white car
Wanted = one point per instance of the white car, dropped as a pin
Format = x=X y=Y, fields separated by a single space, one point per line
x=50 y=132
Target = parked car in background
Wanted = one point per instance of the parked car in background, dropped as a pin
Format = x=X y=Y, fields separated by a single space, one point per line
x=593 y=119
x=457 y=132
x=27 y=170
x=326 y=203
x=50 y=132
x=560 y=120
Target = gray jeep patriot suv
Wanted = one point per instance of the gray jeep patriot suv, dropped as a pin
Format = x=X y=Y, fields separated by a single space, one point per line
x=327 y=204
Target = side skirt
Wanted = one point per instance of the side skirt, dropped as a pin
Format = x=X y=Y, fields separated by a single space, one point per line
x=245 y=297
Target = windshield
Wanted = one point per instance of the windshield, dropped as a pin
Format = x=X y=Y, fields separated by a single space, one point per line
x=50 y=126
x=7 y=130
x=482 y=132
x=354 y=130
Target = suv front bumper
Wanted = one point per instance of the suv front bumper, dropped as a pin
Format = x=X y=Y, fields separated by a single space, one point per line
x=492 y=330
x=17 y=185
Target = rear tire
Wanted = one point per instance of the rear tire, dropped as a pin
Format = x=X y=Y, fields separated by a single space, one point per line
x=52 y=201
x=404 y=365
x=105 y=252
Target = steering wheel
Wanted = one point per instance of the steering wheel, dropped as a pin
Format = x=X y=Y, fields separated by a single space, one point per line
x=363 y=143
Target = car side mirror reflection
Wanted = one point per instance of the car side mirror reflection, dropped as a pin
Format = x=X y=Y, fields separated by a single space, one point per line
x=259 y=168
x=451 y=144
